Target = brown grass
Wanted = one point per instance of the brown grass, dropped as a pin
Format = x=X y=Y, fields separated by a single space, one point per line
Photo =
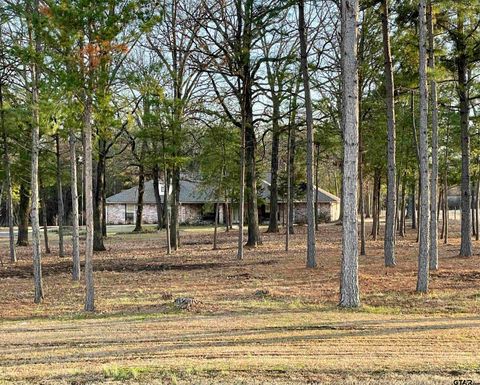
x=294 y=333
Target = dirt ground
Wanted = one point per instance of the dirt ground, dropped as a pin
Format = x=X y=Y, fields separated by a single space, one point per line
x=264 y=320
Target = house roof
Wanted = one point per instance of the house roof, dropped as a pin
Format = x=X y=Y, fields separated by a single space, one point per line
x=322 y=195
x=190 y=192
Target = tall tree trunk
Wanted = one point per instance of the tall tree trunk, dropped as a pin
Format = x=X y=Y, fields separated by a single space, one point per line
x=389 y=241
x=253 y=238
x=74 y=192
x=424 y=240
x=376 y=213
x=166 y=199
x=472 y=208
x=241 y=200
x=226 y=217
x=291 y=161
x=98 y=197
x=317 y=167
x=419 y=204
x=368 y=211
x=89 y=212
x=446 y=209
x=246 y=39
x=414 y=206
x=461 y=61
x=158 y=198
x=445 y=191
x=273 y=220
x=8 y=180
x=34 y=213
x=43 y=202
x=215 y=229
x=60 y=207
x=402 y=208
x=141 y=192
x=291 y=141
x=379 y=203
x=477 y=191
x=361 y=50
x=289 y=190
x=397 y=202
x=361 y=190
x=433 y=260
x=23 y=214
x=442 y=207
x=104 y=200
x=311 y=250
x=349 y=290
x=175 y=205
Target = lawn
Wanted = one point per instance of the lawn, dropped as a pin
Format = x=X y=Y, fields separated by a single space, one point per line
x=266 y=319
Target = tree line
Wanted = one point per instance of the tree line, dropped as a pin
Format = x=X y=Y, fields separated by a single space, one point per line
x=374 y=100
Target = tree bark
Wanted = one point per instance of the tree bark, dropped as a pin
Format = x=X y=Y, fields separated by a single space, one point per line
x=402 y=209
x=361 y=50
x=289 y=190
x=424 y=240
x=349 y=290
x=43 y=202
x=60 y=206
x=166 y=199
x=253 y=238
x=98 y=244
x=104 y=200
x=477 y=191
x=158 y=199
x=241 y=199
x=226 y=217
x=362 y=204
x=461 y=61
x=376 y=192
x=291 y=161
x=414 y=207
x=433 y=260
x=175 y=205
x=215 y=229
x=472 y=208
x=8 y=181
x=445 y=191
x=89 y=212
x=273 y=220
x=311 y=250
x=368 y=211
x=317 y=167
x=389 y=241
x=166 y=196
x=74 y=192
x=23 y=214
x=141 y=192
x=34 y=43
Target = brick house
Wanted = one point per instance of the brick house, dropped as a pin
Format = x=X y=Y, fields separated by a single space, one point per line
x=328 y=207
x=196 y=206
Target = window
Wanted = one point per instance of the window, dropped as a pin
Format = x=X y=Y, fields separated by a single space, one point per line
x=129 y=213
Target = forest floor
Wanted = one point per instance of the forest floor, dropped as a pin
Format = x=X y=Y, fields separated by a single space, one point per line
x=264 y=320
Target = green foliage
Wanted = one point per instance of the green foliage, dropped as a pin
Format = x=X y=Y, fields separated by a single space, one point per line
x=218 y=160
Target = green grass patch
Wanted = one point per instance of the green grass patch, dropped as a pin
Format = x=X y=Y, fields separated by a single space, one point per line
x=122 y=373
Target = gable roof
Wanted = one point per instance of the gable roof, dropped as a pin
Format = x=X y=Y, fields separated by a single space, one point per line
x=190 y=192
x=322 y=195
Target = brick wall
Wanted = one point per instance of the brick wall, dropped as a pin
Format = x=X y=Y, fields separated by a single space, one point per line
x=328 y=212
x=115 y=214
x=188 y=213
